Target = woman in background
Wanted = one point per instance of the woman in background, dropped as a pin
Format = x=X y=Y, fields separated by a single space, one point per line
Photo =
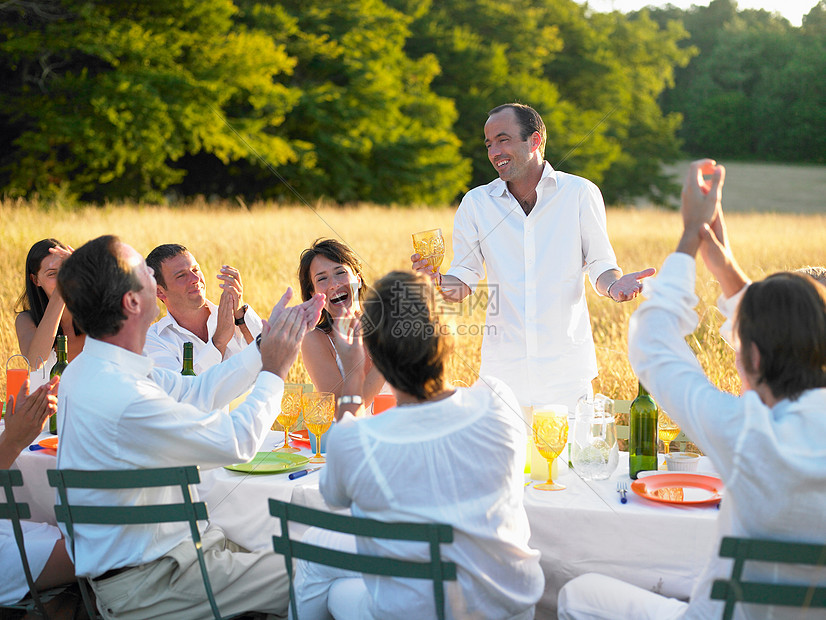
x=42 y=314
x=332 y=268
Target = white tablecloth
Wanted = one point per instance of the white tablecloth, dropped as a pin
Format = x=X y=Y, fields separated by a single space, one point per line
x=586 y=528
x=582 y=529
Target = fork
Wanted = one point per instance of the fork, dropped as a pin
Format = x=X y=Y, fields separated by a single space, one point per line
x=622 y=489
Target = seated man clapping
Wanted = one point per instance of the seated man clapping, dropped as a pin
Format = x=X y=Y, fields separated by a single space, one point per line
x=216 y=332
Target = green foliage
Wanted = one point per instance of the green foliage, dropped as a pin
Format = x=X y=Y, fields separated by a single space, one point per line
x=373 y=127
x=594 y=79
x=102 y=98
x=756 y=89
x=380 y=100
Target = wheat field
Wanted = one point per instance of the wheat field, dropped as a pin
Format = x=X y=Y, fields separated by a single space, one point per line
x=265 y=241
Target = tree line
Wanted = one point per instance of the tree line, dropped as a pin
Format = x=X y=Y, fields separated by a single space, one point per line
x=375 y=100
x=756 y=88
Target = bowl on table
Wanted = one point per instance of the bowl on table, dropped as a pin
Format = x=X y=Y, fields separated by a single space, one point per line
x=682 y=461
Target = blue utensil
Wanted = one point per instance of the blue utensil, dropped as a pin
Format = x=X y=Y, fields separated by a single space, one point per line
x=303 y=472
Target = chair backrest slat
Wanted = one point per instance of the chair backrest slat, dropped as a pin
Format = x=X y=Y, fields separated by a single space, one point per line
x=734 y=590
x=129 y=515
x=433 y=568
x=185 y=512
x=14 y=511
x=365 y=527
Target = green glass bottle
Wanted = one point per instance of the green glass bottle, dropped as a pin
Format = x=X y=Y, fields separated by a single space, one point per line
x=642 y=439
x=188 y=370
x=61 y=348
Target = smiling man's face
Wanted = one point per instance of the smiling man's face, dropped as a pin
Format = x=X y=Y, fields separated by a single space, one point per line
x=510 y=155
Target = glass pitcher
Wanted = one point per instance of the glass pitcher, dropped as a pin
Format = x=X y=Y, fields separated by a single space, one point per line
x=594 y=450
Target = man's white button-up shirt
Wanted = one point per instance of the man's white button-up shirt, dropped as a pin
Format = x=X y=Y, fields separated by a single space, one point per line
x=538 y=334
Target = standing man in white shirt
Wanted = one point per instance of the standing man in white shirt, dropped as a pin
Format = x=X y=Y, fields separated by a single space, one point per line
x=117 y=411
x=216 y=332
x=537 y=231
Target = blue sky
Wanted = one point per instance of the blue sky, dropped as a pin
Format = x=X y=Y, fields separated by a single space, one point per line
x=793 y=10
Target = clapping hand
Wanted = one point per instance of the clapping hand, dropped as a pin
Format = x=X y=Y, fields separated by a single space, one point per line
x=284 y=331
x=26 y=414
x=231 y=281
x=701 y=200
x=225 y=326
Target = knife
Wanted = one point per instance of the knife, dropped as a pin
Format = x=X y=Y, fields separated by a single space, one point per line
x=303 y=472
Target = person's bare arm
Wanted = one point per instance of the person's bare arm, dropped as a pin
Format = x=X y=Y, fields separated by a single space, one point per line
x=36 y=341
x=719 y=258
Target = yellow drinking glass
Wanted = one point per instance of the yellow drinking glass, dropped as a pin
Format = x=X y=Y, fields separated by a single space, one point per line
x=430 y=245
x=668 y=429
x=291 y=407
x=319 y=411
x=550 y=435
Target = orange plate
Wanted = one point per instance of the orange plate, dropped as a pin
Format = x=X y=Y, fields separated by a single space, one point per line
x=300 y=438
x=49 y=442
x=680 y=488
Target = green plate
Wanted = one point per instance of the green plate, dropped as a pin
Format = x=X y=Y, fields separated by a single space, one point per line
x=271 y=463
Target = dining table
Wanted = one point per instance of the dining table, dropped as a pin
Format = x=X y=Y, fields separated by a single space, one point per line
x=584 y=528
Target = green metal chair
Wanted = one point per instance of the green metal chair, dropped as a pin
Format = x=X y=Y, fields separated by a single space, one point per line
x=432 y=533
x=734 y=590
x=14 y=511
x=186 y=511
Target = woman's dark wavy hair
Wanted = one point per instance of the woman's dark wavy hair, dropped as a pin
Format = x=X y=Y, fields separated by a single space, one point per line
x=403 y=336
x=337 y=252
x=34 y=299
x=785 y=316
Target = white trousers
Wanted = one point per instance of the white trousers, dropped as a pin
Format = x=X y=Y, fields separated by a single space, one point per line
x=597 y=597
x=325 y=592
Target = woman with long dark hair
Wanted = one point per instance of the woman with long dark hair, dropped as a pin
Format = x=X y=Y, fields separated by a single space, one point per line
x=332 y=268
x=42 y=314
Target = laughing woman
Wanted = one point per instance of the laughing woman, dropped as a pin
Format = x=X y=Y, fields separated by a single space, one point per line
x=43 y=315
x=332 y=360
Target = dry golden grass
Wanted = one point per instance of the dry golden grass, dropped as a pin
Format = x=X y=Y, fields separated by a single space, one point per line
x=264 y=242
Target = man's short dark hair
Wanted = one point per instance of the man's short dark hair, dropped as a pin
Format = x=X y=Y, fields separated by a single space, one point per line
x=529 y=122
x=403 y=335
x=93 y=281
x=161 y=253
x=785 y=316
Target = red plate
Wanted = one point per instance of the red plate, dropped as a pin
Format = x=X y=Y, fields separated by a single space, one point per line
x=680 y=488
x=300 y=438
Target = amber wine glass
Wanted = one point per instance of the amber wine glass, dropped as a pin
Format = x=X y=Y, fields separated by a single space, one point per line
x=291 y=405
x=319 y=411
x=430 y=245
x=550 y=434
x=668 y=429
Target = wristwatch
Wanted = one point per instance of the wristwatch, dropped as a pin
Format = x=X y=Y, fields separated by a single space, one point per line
x=354 y=399
x=243 y=310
